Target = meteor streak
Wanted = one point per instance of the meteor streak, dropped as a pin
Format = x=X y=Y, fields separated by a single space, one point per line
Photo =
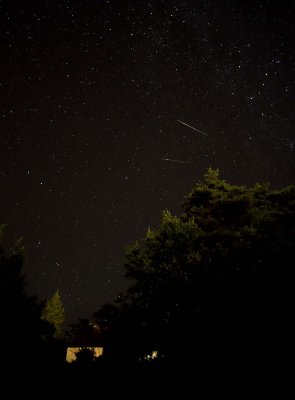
x=177 y=161
x=195 y=129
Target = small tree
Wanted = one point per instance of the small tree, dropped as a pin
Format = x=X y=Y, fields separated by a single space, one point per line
x=54 y=313
x=85 y=356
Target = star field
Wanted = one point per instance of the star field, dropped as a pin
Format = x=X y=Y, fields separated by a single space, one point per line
x=91 y=93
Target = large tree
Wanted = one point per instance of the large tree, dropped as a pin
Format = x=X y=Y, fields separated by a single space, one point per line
x=214 y=281
x=22 y=331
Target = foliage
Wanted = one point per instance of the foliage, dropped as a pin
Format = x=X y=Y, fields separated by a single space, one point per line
x=54 y=313
x=214 y=278
x=22 y=330
x=85 y=356
x=84 y=333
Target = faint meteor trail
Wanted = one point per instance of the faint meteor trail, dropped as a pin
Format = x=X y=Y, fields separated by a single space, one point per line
x=177 y=161
x=195 y=129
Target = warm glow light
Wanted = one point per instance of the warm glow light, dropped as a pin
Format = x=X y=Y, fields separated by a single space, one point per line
x=151 y=356
x=72 y=352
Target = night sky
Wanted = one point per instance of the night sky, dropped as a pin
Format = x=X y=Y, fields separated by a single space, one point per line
x=91 y=95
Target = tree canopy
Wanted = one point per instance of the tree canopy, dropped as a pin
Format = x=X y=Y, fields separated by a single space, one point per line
x=212 y=281
x=22 y=331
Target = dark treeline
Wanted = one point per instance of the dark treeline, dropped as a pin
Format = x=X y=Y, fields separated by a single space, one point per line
x=27 y=338
x=210 y=286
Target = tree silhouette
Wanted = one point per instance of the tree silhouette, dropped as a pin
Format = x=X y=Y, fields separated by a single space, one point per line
x=85 y=356
x=84 y=333
x=211 y=284
x=22 y=331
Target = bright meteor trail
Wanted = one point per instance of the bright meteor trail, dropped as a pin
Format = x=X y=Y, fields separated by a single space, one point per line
x=195 y=129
